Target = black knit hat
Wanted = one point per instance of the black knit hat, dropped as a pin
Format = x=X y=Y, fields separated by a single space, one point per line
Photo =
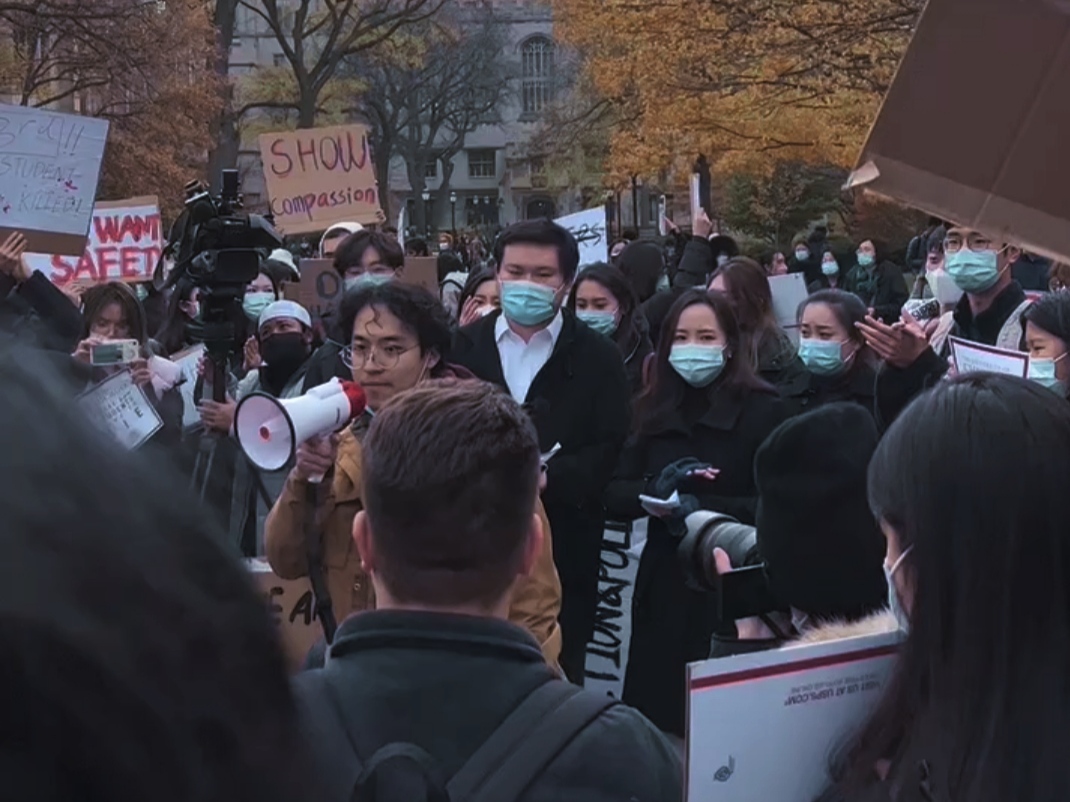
x=822 y=547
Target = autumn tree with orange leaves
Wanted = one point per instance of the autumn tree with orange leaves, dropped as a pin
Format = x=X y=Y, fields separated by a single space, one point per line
x=142 y=65
x=749 y=83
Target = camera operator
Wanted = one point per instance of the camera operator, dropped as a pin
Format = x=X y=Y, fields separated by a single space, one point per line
x=820 y=545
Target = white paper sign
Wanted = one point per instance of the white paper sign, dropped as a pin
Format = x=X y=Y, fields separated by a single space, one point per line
x=764 y=726
x=971 y=357
x=188 y=361
x=49 y=167
x=696 y=196
x=121 y=408
x=788 y=292
x=589 y=229
x=125 y=240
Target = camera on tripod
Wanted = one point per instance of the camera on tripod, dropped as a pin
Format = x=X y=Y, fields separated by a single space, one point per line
x=218 y=249
x=742 y=592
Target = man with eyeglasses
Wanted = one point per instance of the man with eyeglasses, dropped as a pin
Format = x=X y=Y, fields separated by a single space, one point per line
x=989 y=313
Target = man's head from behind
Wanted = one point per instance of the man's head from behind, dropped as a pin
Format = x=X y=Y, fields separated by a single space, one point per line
x=451 y=470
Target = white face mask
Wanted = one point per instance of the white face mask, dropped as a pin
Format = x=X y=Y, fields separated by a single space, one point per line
x=895 y=604
x=943 y=287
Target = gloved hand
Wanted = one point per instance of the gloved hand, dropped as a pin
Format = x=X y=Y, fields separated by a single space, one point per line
x=676 y=477
x=676 y=523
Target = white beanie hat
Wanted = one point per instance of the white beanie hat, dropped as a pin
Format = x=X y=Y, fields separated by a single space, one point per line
x=349 y=228
x=291 y=309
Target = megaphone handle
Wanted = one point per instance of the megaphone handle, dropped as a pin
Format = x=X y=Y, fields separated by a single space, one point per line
x=316 y=480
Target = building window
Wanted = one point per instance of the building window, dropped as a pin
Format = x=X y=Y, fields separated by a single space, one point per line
x=537 y=57
x=279 y=59
x=482 y=163
x=431 y=169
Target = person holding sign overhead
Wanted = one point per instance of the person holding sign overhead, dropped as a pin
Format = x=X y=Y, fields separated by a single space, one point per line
x=989 y=313
x=31 y=306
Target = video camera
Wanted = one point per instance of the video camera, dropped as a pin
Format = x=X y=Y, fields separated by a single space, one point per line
x=742 y=592
x=218 y=249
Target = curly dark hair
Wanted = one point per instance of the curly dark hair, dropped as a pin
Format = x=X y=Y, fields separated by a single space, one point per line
x=98 y=297
x=414 y=306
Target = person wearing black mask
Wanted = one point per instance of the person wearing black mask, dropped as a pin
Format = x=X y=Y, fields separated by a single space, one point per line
x=284 y=335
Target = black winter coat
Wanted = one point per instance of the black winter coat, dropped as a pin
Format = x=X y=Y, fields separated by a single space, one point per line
x=885 y=291
x=671 y=624
x=580 y=399
x=635 y=346
x=37 y=313
x=445 y=683
x=857 y=385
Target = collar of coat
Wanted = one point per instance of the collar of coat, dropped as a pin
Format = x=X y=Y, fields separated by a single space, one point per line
x=722 y=414
x=479 y=343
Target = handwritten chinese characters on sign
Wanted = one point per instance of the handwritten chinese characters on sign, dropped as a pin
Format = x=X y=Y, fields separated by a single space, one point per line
x=589 y=229
x=49 y=167
x=120 y=408
x=319 y=176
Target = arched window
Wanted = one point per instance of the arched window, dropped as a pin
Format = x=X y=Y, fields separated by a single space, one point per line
x=537 y=56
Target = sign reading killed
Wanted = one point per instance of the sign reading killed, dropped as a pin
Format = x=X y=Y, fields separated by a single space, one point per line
x=49 y=167
x=125 y=240
x=319 y=176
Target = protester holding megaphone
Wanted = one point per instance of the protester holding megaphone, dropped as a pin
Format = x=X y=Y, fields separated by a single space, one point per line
x=398 y=337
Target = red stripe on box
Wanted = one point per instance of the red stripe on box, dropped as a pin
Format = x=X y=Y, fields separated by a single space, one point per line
x=792 y=668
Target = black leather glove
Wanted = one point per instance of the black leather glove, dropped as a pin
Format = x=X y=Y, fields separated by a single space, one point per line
x=677 y=522
x=675 y=477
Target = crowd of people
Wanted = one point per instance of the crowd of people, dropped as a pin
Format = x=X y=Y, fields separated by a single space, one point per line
x=457 y=529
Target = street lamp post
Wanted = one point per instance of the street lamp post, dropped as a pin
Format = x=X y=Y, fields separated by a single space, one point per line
x=453 y=213
x=426 y=195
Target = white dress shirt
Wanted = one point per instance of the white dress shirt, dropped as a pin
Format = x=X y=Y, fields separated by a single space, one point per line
x=522 y=361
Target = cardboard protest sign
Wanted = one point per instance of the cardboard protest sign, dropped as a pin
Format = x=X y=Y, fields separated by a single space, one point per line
x=589 y=229
x=49 y=168
x=320 y=289
x=125 y=241
x=319 y=176
x=940 y=144
x=423 y=272
x=291 y=605
x=799 y=703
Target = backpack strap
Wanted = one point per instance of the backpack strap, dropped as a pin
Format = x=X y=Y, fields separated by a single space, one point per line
x=529 y=739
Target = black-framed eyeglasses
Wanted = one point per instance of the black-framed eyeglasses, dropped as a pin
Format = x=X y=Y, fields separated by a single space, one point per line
x=355 y=357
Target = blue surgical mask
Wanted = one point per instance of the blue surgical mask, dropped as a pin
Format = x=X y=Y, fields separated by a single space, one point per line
x=1042 y=371
x=865 y=259
x=601 y=321
x=895 y=604
x=973 y=271
x=802 y=254
x=698 y=365
x=141 y=291
x=367 y=280
x=822 y=357
x=527 y=303
x=256 y=302
x=830 y=268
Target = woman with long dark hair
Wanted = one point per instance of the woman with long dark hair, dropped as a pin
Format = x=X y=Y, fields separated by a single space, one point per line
x=603 y=299
x=969 y=485
x=183 y=308
x=767 y=346
x=699 y=425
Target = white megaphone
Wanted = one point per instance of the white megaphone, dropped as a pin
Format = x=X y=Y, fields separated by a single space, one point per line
x=269 y=429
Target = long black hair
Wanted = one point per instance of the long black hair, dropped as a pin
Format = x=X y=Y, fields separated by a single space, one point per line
x=1051 y=313
x=98 y=297
x=173 y=335
x=472 y=284
x=667 y=389
x=973 y=475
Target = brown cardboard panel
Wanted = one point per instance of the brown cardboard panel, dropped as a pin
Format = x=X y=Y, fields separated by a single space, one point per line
x=976 y=126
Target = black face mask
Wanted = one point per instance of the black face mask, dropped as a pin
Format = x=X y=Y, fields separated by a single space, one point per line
x=284 y=355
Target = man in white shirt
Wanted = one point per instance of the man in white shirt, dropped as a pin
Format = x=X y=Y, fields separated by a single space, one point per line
x=572 y=382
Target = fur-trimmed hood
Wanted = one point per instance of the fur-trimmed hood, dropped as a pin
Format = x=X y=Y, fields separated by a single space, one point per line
x=828 y=631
